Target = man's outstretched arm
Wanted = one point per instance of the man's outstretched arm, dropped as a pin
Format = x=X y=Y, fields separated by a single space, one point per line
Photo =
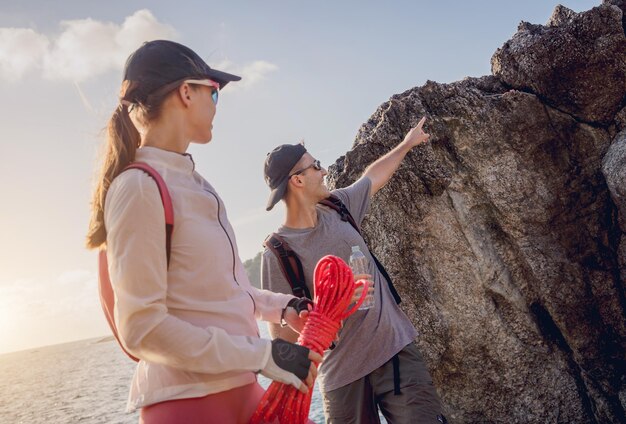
x=383 y=168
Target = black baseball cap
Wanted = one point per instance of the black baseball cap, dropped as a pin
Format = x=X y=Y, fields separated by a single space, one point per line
x=161 y=62
x=277 y=166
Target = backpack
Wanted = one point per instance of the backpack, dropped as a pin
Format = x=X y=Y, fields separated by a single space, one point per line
x=107 y=297
x=290 y=263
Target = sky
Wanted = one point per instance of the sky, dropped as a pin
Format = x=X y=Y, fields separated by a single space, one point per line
x=312 y=71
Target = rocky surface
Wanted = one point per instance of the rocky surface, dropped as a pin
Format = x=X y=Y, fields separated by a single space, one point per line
x=505 y=232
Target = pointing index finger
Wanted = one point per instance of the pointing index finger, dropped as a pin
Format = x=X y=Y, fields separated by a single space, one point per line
x=421 y=122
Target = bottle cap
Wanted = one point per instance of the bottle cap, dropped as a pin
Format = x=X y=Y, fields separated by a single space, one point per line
x=356 y=249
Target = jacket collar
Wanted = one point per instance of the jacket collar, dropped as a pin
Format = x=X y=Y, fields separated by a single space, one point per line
x=182 y=162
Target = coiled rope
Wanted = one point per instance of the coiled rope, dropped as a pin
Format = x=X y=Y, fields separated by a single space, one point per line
x=334 y=287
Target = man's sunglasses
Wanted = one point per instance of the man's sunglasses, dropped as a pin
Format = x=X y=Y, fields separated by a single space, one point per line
x=315 y=165
x=209 y=83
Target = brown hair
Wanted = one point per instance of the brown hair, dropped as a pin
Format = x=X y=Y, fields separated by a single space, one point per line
x=122 y=141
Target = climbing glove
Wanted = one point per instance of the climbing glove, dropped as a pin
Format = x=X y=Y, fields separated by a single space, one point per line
x=289 y=363
x=300 y=304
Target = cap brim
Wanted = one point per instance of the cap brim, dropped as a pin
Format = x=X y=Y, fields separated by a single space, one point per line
x=222 y=78
x=276 y=195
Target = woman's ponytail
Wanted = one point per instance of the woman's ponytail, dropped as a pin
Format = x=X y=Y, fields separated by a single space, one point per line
x=122 y=142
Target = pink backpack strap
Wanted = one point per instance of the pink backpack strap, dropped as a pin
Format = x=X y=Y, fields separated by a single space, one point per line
x=107 y=296
x=165 y=199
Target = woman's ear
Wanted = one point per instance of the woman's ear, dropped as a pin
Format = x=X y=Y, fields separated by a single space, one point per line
x=184 y=93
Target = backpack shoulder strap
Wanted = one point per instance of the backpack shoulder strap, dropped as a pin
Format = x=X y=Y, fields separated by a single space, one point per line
x=107 y=297
x=165 y=199
x=290 y=264
x=336 y=204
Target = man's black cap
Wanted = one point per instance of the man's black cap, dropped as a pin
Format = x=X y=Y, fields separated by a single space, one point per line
x=277 y=166
x=161 y=62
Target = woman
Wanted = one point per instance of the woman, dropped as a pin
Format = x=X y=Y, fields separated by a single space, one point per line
x=192 y=322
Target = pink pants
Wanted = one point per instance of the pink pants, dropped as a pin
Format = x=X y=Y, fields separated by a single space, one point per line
x=234 y=406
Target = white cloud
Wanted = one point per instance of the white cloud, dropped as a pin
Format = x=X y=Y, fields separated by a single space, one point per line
x=250 y=74
x=21 y=49
x=85 y=47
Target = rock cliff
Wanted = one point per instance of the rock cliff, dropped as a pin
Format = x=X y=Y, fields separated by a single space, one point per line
x=505 y=233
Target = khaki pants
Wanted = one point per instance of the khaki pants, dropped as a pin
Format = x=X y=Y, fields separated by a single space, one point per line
x=357 y=403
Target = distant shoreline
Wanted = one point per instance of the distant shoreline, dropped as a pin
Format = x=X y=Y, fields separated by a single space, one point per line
x=105 y=338
x=91 y=340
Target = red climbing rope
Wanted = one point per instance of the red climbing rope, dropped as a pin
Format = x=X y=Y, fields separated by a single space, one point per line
x=334 y=287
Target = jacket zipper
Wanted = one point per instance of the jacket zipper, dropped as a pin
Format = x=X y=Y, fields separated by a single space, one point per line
x=232 y=250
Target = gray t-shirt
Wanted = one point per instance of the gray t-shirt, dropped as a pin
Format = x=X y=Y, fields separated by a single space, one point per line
x=369 y=338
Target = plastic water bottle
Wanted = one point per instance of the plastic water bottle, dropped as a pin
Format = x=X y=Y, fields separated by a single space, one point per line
x=359 y=265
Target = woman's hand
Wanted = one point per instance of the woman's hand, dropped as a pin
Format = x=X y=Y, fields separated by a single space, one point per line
x=316 y=359
x=292 y=364
x=297 y=312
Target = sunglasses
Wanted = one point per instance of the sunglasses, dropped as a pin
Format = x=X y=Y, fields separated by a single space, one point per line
x=207 y=83
x=315 y=165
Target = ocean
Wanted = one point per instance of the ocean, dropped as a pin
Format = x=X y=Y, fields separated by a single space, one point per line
x=80 y=382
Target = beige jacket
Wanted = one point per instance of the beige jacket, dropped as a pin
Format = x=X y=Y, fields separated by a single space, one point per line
x=193 y=325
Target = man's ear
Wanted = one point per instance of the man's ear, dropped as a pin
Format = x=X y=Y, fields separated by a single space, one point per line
x=296 y=181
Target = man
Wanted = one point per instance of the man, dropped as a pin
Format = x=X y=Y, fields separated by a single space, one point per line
x=374 y=363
